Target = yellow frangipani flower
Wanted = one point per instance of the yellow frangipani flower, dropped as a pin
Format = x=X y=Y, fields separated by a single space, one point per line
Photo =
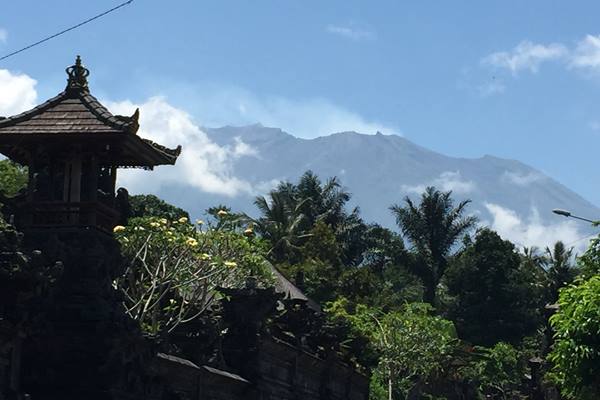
x=222 y=213
x=230 y=264
x=182 y=220
x=118 y=228
x=191 y=242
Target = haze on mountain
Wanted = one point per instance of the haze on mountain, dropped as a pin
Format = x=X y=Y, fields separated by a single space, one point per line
x=380 y=170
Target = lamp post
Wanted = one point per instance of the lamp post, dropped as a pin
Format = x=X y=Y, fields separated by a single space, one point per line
x=566 y=213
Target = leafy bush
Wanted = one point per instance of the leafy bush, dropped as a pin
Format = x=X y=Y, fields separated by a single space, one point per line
x=498 y=371
x=415 y=347
x=575 y=354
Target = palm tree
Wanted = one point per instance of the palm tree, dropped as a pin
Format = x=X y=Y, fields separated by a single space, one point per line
x=433 y=227
x=324 y=202
x=281 y=224
x=560 y=272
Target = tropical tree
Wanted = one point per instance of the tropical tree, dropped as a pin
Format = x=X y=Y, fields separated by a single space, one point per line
x=173 y=270
x=496 y=296
x=561 y=271
x=320 y=201
x=383 y=278
x=281 y=224
x=433 y=227
x=589 y=262
x=149 y=205
x=414 y=346
x=497 y=371
x=575 y=354
x=290 y=211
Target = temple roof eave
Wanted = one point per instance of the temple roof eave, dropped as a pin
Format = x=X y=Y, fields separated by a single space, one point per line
x=75 y=118
x=133 y=152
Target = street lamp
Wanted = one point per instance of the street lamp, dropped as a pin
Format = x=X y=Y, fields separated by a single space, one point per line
x=566 y=213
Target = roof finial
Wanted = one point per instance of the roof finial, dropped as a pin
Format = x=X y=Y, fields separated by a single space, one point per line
x=77 y=76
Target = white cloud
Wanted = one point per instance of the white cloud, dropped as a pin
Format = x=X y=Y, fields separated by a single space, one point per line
x=522 y=179
x=351 y=32
x=526 y=56
x=3 y=35
x=305 y=118
x=447 y=181
x=587 y=53
x=584 y=55
x=533 y=232
x=243 y=149
x=18 y=93
x=264 y=187
x=202 y=164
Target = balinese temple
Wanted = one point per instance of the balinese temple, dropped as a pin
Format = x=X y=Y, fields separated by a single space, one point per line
x=73 y=146
x=64 y=334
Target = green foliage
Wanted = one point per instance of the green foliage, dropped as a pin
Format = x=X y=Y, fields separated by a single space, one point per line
x=575 y=355
x=321 y=269
x=281 y=224
x=415 y=347
x=388 y=291
x=589 y=262
x=222 y=218
x=292 y=210
x=419 y=345
x=322 y=245
x=13 y=178
x=174 y=269
x=148 y=205
x=433 y=227
x=496 y=298
x=560 y=272
x=498 y=371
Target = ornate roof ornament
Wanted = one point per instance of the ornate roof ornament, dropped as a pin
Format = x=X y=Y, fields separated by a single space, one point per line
x=77 y=76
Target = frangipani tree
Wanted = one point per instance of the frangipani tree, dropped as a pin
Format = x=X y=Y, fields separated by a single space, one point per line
x=414 y=346
x=173 y=269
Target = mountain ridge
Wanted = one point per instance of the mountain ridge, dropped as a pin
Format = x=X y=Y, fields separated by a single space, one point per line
x=380 y=170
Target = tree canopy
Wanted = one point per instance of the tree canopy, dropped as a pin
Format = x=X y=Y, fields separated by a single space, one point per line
x=433 y=227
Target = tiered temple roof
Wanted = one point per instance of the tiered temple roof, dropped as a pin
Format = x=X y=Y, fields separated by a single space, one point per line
x=75 y=116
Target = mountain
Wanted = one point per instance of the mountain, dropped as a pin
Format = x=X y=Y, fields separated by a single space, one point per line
x=380 y=170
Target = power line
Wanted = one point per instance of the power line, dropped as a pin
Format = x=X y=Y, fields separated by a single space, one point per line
x=591 y=236
x=66 y=30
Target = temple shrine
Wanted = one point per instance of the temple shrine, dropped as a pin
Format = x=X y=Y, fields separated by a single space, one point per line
x=64 y=334
x=72 y=146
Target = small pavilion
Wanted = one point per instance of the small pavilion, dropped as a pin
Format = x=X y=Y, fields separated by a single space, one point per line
x=72 y=146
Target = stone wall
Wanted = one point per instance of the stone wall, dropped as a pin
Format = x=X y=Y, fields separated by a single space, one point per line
x=280 y=372
x=188 y=381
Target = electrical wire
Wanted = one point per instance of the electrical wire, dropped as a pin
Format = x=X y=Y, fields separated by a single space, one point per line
x=591 y=236
x=66 y=30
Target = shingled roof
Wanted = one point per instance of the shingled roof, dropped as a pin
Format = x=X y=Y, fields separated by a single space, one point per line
x=76 y=112
x=71 y=112
x=291 y=291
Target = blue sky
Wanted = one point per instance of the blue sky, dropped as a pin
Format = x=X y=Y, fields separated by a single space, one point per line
x=514 y=79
